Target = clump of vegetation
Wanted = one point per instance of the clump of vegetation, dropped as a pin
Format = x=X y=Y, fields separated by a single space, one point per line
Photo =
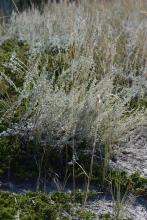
x=121 y=186
x=109 y=216
x=126 y=183
x=13 y=61
x=42 y=206
x=72 y=89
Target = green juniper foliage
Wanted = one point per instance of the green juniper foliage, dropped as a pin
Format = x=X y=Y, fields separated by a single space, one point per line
x=42 y=206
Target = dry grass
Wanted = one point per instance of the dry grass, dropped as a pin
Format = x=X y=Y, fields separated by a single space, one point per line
x=99 y=64
x=105 y=49
x=98 y=56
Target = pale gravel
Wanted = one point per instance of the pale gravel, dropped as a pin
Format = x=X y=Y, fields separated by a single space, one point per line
x=137 y=209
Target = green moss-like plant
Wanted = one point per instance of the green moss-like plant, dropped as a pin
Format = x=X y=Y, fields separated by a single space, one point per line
x=41 y=206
